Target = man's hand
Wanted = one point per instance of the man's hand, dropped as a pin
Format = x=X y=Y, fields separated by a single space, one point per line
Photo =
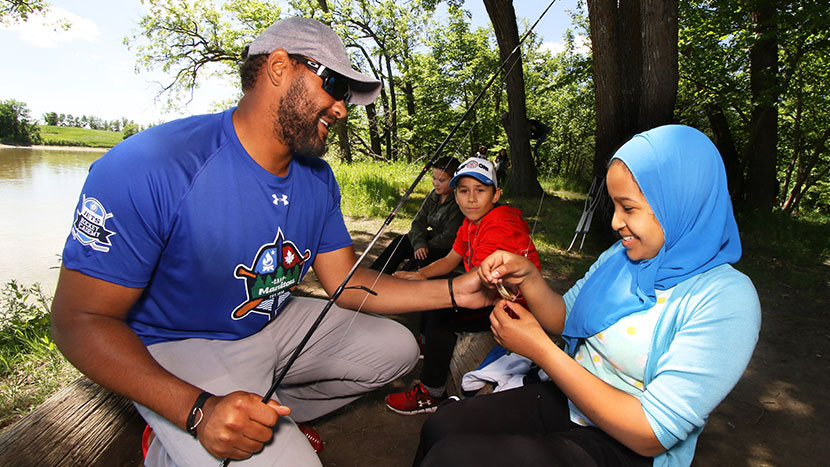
x=471 y=292
x=237 y=425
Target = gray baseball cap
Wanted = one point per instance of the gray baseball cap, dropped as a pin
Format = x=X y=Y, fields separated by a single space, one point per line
x=315 y=40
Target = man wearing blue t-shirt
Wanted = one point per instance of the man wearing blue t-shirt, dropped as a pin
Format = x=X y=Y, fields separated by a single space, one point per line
x=187 y=241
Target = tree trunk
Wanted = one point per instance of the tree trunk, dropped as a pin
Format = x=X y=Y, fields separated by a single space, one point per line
x=374 y=133
x=522 y=181
x=392 y=118
x=634 y=46
x=409 y=91
x=602 y=16
x=659 y=76
x=722 y=137
x=761 y=150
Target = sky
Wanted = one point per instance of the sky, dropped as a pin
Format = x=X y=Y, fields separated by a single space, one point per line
x=87 y=69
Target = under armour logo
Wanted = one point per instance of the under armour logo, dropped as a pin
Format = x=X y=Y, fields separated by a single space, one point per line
x=423 y=403
x=283 y=199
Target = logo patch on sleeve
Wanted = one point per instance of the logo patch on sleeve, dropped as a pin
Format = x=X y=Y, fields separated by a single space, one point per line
x=89 y=226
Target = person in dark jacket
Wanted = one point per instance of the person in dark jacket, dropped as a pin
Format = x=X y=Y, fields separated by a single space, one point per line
x=433 y=228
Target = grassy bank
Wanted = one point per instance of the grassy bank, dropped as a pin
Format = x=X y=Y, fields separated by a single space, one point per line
x=31 y=367
x=71 y=136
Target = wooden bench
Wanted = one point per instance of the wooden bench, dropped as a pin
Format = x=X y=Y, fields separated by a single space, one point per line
x=82 y=424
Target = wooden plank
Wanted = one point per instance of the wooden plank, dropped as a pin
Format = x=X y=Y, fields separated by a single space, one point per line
x=470 y=350
x=82 y=424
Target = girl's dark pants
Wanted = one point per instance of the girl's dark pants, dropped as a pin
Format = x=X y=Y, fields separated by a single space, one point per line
x=526 y=426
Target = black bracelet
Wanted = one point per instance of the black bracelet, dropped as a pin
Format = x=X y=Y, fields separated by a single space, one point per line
x=452 y=296
x=192 y=421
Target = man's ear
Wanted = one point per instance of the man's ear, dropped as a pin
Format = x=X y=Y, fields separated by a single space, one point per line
x=278 y=62
x=496 y=195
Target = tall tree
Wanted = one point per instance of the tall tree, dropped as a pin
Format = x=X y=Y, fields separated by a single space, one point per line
x=635 y=69
x=522 y=181
x=761 y=183
x=770 y=123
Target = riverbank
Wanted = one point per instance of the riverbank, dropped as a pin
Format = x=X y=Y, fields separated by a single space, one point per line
x=55 y=148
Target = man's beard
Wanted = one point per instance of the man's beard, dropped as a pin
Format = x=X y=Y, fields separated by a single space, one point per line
x=295 y=125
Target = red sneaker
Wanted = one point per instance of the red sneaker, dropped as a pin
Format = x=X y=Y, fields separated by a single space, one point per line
x=146 y=438
x=416 y=400
x=313 y=437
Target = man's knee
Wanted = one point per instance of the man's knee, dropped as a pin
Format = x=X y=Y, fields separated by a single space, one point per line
x=398 y=347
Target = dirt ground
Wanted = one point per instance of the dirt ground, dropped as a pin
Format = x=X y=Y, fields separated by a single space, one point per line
x=774 y=417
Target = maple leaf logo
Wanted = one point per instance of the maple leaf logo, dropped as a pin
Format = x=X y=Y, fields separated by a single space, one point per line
x=289 y=257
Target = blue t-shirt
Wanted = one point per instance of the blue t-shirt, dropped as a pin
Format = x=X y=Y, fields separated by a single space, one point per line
x=216 y=241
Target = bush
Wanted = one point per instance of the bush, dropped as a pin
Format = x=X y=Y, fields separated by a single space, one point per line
x=129 y=130
x=16 y=126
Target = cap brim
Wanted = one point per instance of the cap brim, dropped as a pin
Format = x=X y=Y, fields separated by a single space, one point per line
x=480 y=177
x=363 y=88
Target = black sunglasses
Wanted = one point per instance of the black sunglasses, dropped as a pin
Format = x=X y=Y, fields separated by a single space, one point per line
x=333 y=83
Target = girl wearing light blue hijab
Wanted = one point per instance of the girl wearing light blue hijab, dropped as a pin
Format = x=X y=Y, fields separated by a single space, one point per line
x=657 y=332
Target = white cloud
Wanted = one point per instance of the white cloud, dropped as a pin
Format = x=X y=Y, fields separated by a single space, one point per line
x=581 y=45
x=45 y=31
x=553 y=47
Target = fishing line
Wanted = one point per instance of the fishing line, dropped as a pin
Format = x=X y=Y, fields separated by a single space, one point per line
x=459 y=150
x=343 y=285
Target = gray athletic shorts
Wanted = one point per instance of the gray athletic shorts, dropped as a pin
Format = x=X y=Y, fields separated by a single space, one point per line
x=350 y=354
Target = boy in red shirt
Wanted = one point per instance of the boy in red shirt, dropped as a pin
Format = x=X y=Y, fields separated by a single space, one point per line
x=487 y=227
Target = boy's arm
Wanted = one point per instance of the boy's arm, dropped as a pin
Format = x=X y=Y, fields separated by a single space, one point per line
x=441 y=267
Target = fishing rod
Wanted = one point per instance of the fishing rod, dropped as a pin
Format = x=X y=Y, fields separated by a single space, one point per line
x=343 y=285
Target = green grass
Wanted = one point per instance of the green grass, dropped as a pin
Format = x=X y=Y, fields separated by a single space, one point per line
x=780 y=248
x=373 y=189
x=31 y=367
x=71 y=136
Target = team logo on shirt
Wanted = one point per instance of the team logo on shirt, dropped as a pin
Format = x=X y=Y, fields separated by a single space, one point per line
x=89 y=226
x=275 y=272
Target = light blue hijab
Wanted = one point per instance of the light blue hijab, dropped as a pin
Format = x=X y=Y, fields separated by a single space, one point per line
x=681 y=175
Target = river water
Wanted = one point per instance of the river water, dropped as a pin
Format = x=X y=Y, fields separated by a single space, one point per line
x=39 y=189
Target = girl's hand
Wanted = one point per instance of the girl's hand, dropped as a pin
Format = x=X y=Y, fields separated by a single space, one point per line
x=421 y=253
x=517 y=330
x=506 y=267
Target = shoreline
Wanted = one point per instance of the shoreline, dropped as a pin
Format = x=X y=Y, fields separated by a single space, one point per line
x=55 y=148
